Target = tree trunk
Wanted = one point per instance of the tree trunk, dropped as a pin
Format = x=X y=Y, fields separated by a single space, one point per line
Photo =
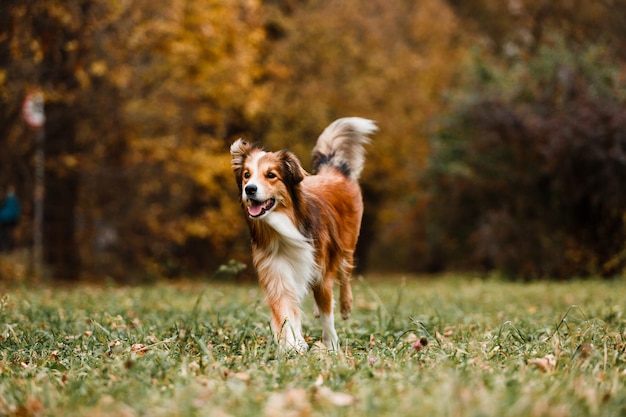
x=61 y=195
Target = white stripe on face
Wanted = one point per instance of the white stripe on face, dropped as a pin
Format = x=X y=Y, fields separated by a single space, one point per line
x=255 y=178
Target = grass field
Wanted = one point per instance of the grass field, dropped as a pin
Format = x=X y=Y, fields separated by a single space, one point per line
x=204 y=349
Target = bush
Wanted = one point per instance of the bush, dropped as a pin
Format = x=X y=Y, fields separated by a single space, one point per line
x=528 y=176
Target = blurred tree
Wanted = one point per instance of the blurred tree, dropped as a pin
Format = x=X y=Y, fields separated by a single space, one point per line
x=522 y=25
x=41 y=48
x=144 y=97
x=562 y=61
x=187 y=82
x=140 y=98
x=391 y=62
x=528 y=176
x=15 y=79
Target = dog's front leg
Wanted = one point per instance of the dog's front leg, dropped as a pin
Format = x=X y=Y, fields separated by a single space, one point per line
x=287 y=324
x=285 y=275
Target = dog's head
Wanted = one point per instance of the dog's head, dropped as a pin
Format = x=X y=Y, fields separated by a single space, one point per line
x=267 y=180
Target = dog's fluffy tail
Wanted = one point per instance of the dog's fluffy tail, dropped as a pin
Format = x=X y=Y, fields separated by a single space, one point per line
x=341 y=146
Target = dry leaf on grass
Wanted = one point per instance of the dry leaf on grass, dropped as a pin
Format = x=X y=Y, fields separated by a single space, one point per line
x=115 y=346
x=139 y=349
x=326 y=395
x=319 y=347
x=449 y=331
x=545 y=364
x=241 y=376
x=292 y=403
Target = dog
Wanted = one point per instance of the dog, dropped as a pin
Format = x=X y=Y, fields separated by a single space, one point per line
x=304 y=227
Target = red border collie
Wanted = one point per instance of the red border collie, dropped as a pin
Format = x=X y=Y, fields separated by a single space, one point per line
x=304 y=227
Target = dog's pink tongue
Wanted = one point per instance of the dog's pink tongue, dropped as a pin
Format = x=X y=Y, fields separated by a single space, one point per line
x=255 y=209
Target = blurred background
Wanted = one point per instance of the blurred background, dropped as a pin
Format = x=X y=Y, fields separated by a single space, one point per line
x=502 y=143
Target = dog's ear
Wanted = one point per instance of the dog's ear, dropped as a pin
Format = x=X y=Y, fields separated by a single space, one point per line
x=239 y=150
x=293 y=172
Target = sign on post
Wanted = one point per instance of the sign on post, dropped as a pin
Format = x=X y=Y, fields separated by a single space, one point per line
x=35 y=117
x=32 y=110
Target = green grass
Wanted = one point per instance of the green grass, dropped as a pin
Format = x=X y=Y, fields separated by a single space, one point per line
x=205 y=349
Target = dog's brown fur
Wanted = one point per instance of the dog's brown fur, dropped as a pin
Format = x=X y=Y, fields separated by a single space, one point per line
x=304 y=227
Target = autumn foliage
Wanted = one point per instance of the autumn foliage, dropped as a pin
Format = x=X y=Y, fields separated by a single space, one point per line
x=501 y=142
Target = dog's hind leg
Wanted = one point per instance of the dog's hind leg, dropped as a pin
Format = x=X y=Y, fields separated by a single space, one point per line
x=324 y=301
x=345 y=289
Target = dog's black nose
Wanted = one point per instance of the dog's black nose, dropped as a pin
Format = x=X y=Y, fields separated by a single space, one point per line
x=250 y=189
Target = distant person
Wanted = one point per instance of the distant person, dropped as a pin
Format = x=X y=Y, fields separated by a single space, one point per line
x=9 y=217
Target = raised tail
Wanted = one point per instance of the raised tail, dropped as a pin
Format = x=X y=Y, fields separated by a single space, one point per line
x=341 y=146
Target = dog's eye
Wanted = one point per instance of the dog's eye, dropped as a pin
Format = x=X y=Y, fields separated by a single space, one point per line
x=246 y=175
x=271 y=175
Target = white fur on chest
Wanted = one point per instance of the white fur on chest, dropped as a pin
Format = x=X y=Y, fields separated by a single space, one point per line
x=289 y=259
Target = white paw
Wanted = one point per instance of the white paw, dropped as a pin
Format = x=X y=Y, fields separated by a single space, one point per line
x=332 y=342
x=298 y=346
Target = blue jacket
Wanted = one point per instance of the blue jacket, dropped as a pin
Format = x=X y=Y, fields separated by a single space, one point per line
x=10 y=210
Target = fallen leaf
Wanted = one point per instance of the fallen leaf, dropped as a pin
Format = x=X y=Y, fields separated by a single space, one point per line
x=194 y=367
x=585 y=350
x=241 y=376
x=545 y=364
x=292 y=403
x=139 y=348
x=115 y=346
x=319 y=347
x=340 y=399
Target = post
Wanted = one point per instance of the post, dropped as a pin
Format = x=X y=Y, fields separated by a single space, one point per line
x=38 y=199
x=35 y=117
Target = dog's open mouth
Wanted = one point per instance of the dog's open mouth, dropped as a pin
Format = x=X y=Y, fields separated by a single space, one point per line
x=259 y=208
